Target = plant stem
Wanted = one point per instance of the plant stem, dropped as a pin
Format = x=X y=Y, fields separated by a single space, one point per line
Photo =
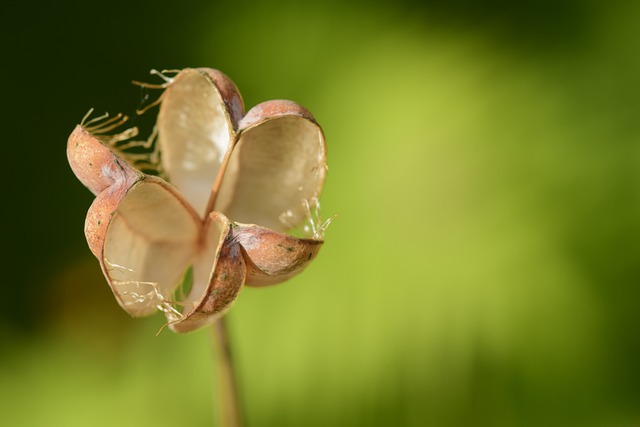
x=229 y=408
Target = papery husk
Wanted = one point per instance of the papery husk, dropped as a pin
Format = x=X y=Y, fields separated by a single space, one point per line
x=272 y=257
x=141 y=230
x=219 y=273
x=278 y=162
x=95 y=165
x=197 y=124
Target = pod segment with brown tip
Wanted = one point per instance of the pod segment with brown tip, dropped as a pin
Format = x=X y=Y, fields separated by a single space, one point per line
x=273 y=257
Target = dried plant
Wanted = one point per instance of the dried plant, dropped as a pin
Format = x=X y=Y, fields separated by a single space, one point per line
x=183 y=219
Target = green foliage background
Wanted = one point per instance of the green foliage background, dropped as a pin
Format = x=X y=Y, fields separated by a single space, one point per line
x=485 y=169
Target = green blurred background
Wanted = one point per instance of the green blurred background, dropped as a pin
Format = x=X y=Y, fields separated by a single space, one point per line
x=484 y=268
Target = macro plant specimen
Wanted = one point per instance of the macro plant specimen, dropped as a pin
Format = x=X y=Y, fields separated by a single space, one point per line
x=183 y=219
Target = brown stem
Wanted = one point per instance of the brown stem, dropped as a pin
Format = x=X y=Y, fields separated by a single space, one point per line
x=229 y=408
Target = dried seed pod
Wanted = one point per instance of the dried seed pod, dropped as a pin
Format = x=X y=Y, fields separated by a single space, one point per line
x=95 y=165
x=272 y=257
x=214 y=288
x=278 y=161
x=141 y=230
x=197 y=125
x=265 y=168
